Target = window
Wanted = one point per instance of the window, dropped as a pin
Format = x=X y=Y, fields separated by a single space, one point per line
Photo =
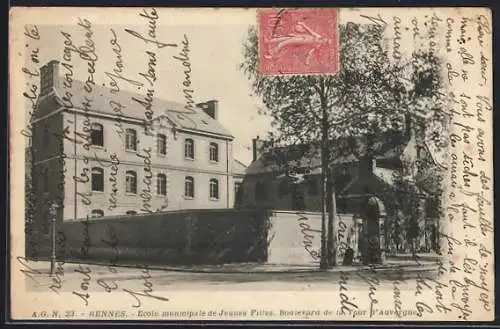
x=161 y=144
x=97 y=179
x=284 y=188
x=214 y=152
x=238 y=192
x=96 y=213
x=131 y=182
x=189 y=187
x=260 y=191
x=312 y=187
x=342 y=179
x=161 y=184
x=131 y=139
x=131 y=212
x=97 y=135
x=189 y=148
x=45 y=174
x=214 y=189
x=237 y=189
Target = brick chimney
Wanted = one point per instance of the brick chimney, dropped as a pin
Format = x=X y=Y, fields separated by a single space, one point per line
x=257 y=147
x=211 y=108
x=49 y=77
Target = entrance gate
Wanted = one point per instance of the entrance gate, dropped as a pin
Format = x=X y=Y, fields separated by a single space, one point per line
x=373 y=246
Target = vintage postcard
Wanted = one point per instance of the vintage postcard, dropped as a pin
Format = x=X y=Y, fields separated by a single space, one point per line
x=251 y=164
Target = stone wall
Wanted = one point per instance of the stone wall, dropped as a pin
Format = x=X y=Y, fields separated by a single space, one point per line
x=178 y=237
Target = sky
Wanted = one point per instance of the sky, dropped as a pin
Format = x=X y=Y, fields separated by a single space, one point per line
x=215 y=53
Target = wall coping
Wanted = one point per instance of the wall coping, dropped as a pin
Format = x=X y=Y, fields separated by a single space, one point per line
x=295 y=212
x=308 y=213
x=125 y=217
x=159 y=214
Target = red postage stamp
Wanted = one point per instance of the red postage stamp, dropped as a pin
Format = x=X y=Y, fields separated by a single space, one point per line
x=298 y=41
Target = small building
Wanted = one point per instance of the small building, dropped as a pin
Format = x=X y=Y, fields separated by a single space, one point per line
x=289 y=178
x=101 y=152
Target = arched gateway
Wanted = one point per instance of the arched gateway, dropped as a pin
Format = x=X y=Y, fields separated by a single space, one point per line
x=373 y=246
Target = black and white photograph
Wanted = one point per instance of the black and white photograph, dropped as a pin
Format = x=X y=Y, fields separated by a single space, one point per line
x=251 y=164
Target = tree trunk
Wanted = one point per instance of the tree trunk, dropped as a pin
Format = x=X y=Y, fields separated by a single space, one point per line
x=437 y=236
x=324 y=211
x=413 y=246
x=325 y=157
x=332 y=213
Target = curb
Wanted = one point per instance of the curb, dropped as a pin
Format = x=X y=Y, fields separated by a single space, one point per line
x=297 y=270
x=423 y=268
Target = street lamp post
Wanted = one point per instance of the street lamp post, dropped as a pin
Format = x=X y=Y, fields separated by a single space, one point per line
x=358 y=231
x=53 y=214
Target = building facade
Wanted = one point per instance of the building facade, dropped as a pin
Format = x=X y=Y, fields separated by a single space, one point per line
x=290 y=179
x=297 y=185
x=280 y=181
x=97 y=152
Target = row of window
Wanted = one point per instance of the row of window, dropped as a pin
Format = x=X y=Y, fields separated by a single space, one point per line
x=100 y=213
x=188 y=191
x=97 y=139
x=97 y=183
x=189 y=150
x=285 y=187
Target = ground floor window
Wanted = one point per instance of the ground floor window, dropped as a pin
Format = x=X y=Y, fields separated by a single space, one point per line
x=97 y=213
x=214 y=189
x=189 y=187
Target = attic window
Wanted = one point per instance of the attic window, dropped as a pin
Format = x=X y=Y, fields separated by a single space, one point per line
x=204 y=122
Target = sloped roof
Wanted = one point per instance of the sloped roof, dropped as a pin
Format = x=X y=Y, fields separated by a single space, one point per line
x=238 y=167
x=102 y=96
x=386 y=146
x=359 y=185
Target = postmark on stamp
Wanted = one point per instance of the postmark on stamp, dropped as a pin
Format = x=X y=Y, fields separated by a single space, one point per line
x=298 y=41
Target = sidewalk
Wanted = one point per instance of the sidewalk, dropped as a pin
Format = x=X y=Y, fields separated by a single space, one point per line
x=392 y=265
